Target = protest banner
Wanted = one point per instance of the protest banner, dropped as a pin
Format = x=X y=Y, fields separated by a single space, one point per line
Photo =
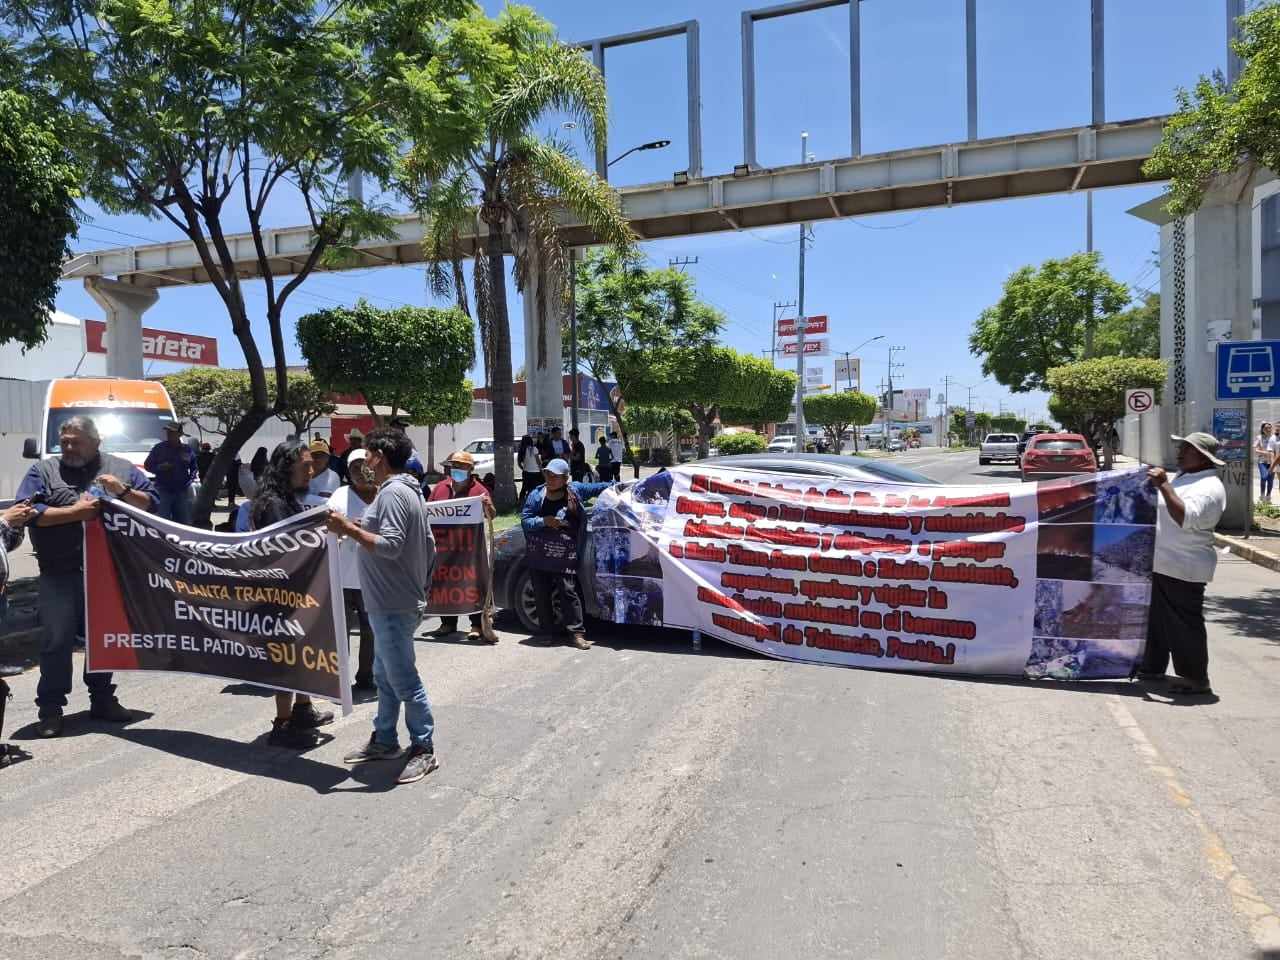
x=1039 y=580
x=460 y=578
x=255 y=607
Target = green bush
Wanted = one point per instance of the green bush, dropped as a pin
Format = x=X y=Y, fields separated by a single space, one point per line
x=729 y=444
x=660 y=457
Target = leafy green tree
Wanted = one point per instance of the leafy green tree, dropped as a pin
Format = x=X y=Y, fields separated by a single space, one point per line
x=1088 y=396
x=39 y=184
x=1217 y=128
x=771 y=403
x=731 y=444
x=837 y=412
x=304 y=403
x=1132 y=333
x=215 y=400
x=202 y=113
x=1045 y=317
x=399 y=358
x=626 y=312
x=521 y=186
x=440 y=409
x=698 y=380
x=1008 y=423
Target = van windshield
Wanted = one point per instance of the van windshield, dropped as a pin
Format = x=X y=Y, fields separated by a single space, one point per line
x=121 y=428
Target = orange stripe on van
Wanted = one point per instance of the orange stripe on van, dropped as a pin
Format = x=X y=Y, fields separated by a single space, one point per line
x=107 y=393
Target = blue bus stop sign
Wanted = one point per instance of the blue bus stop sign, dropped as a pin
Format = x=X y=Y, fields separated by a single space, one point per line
x=1249 y=370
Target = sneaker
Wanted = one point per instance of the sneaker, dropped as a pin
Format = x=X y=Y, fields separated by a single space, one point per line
x=285 y=734
x=110 y=710
x=373 y=750
x=305 y=716
x=421 y=762
x=365 y=684
x=50 y=725
x=581 y=642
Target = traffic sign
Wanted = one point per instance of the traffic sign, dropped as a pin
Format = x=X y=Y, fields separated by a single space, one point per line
x=969 y=420
x=1139 y=401
x=812 y=326
x=1247 y=370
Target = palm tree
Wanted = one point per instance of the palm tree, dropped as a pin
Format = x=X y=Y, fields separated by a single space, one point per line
x=518 y=185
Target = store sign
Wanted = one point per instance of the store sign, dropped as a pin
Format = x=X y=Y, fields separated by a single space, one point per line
x=814 y=325
x=168 y=345
x=819 y=347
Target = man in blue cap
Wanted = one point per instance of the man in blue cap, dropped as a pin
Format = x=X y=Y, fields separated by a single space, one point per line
x=552 y=520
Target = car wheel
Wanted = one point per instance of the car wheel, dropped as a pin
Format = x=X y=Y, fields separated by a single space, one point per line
x=527 y=604
x=983 y=461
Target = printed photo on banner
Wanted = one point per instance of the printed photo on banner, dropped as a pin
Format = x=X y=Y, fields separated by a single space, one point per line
x=253 y=607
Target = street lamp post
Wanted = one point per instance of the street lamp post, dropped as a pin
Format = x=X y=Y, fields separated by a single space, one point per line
x=651 y=145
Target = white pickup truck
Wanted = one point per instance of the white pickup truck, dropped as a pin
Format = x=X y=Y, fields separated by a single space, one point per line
x=998 y=446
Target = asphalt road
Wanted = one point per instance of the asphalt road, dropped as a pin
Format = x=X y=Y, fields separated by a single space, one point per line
x=643 y=800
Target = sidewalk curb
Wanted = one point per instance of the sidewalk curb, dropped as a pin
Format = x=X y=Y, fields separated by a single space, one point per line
x=1248 y=551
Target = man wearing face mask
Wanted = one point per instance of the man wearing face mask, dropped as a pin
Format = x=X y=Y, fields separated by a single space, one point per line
x=461 y=482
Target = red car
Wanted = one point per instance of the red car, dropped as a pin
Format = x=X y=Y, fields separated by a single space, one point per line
x=1056 y=455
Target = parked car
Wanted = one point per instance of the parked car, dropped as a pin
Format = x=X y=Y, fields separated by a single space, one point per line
x=1051 y=455
x=781 y=445
x=513 y=588
x=896 y=445
x=998 y=446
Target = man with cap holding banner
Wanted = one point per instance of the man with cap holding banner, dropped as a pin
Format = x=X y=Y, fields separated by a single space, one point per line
x=1191 y=504
x=461 y=482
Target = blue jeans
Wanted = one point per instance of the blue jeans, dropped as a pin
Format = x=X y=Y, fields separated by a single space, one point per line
x=61 y=608
x=1268 y=477
x=175 y=506
x=395 y=673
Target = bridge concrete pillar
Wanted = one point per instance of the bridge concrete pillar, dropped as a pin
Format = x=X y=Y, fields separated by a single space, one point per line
x=543 y=352
x=124 y=305
x=1208 y=265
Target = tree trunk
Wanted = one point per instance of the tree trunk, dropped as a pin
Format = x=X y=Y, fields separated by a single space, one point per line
x=500 y=389
x=211 y=486
x=703 y=418
x=855 y=438
x=431 y=448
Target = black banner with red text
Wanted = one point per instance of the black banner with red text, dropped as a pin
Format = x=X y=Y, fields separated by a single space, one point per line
x=460 y=578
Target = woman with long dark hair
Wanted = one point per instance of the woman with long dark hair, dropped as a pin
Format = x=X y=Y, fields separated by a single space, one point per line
x=279 y=496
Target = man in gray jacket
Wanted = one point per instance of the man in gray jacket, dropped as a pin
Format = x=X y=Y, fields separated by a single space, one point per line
x=397 y=551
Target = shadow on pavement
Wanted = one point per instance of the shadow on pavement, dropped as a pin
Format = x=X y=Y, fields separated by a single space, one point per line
x=80 y=724
x=1254 y=616
x=247 y=690
x=255 y=758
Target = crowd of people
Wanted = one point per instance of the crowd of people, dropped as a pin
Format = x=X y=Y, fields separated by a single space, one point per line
x=376 y=500
x=538 y=448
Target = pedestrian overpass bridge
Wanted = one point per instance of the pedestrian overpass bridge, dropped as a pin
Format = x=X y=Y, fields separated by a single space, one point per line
x=1025 y=165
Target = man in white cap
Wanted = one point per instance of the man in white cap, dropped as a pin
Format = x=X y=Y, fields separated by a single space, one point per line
x=552 y=520
x=1191 y=504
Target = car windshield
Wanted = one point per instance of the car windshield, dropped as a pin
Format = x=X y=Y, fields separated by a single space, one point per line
x=1002 y=438
x=479 y=446
x=121 y=428
x=1060 y=445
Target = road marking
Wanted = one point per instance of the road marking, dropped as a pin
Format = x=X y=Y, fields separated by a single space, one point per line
x=1260 y=917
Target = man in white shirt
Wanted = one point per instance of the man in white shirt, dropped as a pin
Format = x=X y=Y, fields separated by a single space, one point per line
x=1191 y=504
x=323 y=480
x=616 y=448
x=350 y=501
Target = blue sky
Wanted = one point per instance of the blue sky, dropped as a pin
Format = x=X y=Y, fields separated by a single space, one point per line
x=919 y=278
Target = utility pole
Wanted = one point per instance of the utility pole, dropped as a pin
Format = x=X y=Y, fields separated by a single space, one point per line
x=1088 y=246
x=889 y=405
x=773 y=345
x=801 y=322
x=573 y=337
x=947 y=381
